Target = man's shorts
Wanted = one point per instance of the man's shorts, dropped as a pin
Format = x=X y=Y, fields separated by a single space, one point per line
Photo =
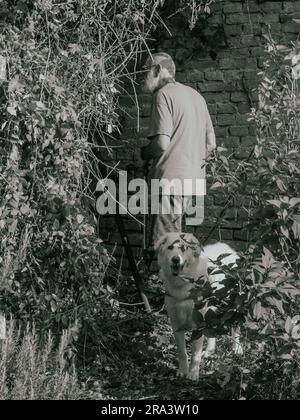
x=176 y=212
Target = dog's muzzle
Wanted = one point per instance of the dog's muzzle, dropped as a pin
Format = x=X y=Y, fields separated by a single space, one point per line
x=177 y=265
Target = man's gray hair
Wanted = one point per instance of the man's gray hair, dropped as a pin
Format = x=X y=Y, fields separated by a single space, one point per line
x=165 y=60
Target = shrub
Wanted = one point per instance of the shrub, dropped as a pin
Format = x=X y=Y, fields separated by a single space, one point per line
x=262 y=293
x=31 y=369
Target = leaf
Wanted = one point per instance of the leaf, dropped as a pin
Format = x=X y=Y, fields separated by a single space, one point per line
x=12 y=110
x=12 y=228
x=296 y=229
x=286 y=357
x=280 y=185
x=53 y=305
x=275 y=203
x=257 y=312
x=276 y=303
x=79 y=218
x=216 y=185
x=294 y=201
x=267 y=259
x=15 y=84
x=40 y=105
x=288 y=325
x=285 y=232
x=270 y=285
x=25 y=209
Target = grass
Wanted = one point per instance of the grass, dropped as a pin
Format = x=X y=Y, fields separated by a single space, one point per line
x=32 y=369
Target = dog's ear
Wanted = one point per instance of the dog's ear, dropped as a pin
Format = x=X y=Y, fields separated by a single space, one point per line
x=161 y=241
x=198 y=250
x=195 y=243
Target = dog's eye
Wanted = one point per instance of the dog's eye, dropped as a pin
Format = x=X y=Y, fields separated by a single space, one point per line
x=182 y=249
x=170 y=247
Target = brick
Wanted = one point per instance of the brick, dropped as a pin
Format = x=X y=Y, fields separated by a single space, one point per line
x=289 y=17
x=290 y=7
x=205 y=63
x=226 y=234
x=221 y=131
x=228 y=63
x=291 y=27
x=243 y=119
x=212 y=108
x=226 y=109
x=252 y=129
x=195 y=76
x=241 y=235
x=254 y=29
x=251 y=7
x=233 y=86
x=214 y=75
x=274 y=28
x=250 y=40
x=241 y=51
x=233 y=8
x=243 y=107
x=233 y=30
x=231 y=214
x=271 y=6
x=216 y=97
x=257 y=51
x=214 y=119
x=239 y=130
x=248 y=141
x=236 y=18
x=290 y=37
x=232 y=142
x=232 y=75
x=238 y=97
x=226 y=119
x=250 y=74
x=271 y=18
x=211 y=87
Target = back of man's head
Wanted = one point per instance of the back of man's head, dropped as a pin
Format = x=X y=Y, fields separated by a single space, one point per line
x=165 y=60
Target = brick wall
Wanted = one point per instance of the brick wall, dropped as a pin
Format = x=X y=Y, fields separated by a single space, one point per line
x=222 y=64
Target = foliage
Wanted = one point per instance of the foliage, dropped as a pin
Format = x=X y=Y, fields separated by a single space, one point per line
x=65 y=65
x=33 y=370
x=261 y=292
x=191 y=10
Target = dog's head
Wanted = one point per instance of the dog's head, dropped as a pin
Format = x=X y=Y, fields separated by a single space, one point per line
x=176 y=251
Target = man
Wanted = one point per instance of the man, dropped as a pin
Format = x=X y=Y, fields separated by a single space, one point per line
x=181 y=136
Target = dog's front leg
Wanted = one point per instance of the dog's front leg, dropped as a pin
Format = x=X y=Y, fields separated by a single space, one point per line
x=197 y=349
x=182 y=354
x=211 y=348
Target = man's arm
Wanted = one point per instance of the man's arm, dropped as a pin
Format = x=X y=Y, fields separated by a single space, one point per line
x=210 y=142
x=156 y=147
x=210 y=135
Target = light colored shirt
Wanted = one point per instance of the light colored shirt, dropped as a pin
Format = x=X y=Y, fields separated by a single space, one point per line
x=180 y=112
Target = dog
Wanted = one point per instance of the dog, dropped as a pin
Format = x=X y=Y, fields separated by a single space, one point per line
x=182 y=261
